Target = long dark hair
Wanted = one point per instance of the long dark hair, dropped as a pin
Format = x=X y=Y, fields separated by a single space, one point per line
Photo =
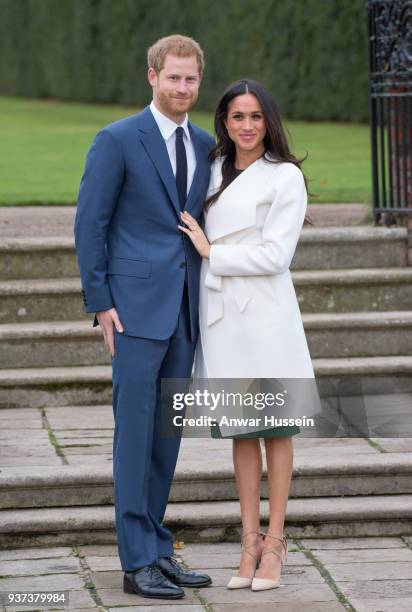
x=275 y=141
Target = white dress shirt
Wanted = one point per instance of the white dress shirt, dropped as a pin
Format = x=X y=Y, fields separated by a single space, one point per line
x=167 y=129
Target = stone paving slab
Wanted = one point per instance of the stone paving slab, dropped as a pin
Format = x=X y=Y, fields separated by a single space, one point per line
x=28 y=441
x=219 y=548
x=116 y=597
x=367 y=577
x=353 y=543
x=59 y=582
x=35 y=553
x=163 y=607
x=10 y=424
x=318 y=606
x=205 y=558
x=90 y=459
x=98 y=550
x=84 y=418
x=103 y=564
x=290 y=575
x=373 y=555
x=390 y=570
x=35 y=450
x=21 y=413
x=394 y=604
x=84 y=433
x=28 y=567
x=106 y=579
x=22 y=434
x=66 y=440
x=395 y=445
x=28 y=461
x=367 y=589
x=91 y=449
x=303 y=593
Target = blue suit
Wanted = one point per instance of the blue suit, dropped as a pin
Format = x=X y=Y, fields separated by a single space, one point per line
x=132 y=257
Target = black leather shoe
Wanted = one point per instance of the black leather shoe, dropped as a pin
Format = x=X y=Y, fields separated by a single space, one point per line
x=149 y=581
x=178 y=575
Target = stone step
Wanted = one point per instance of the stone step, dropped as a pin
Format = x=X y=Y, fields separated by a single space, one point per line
x=68 y=485
x=31 y=258
x=367 y=290
x=67 y=386
x=76 y=343
x=41 y=300
x=358 y=334
x=44 y=221
x=318 y=248
x=389 y=515
x=364 y=290
x=52 y=343
x=330 y=248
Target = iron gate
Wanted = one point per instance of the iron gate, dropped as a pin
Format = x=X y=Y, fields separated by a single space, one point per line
x=390 y=63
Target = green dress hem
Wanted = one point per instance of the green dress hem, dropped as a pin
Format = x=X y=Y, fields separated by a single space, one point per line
x=275 y=432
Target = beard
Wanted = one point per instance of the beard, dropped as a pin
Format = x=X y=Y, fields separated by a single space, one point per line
x=174 y=105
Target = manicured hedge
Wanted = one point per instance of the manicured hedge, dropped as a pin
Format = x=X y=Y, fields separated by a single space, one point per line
x=312 y=54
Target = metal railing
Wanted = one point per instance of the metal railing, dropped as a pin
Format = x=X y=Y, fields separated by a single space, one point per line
x=390 y=64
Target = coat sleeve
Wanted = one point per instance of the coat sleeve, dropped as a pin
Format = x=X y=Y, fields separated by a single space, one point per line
x=280 y=234
x=98 y=194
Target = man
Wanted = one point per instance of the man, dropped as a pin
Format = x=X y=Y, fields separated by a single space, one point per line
x=140 y=276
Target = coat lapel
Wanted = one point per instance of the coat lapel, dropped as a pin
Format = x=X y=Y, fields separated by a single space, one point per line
x=155 y=146
x=235 y=209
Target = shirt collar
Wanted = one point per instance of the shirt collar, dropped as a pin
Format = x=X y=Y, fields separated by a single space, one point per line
x=166 y=126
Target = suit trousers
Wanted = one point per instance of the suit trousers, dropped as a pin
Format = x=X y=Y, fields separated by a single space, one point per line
x=144 y=461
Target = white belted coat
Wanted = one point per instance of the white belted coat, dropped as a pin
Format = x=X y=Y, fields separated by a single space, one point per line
x=250 y=322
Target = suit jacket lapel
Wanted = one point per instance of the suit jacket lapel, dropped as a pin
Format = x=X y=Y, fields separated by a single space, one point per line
x=155 y=146
x=201 y=170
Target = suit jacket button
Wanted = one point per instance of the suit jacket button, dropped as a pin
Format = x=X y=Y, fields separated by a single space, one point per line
x=183 y=265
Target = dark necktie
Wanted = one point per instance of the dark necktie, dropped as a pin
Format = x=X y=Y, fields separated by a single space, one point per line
x=181 y=167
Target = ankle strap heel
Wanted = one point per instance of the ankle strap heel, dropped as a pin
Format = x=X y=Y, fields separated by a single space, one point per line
x=283 y=540
x=240 y=582
x=263 y=584
x=245 y=548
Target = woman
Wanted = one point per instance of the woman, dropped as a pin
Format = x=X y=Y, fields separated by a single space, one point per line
x=250 y=323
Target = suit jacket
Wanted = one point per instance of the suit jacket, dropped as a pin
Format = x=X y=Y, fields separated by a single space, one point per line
x=130 y=252
x=250 y=322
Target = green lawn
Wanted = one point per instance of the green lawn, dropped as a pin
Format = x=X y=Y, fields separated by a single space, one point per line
x=43 y=145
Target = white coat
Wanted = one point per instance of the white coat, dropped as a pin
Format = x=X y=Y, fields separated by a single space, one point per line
x=250 y=322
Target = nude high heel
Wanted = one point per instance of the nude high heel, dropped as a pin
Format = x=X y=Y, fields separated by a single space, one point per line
x=262 y=584
x=240 y=582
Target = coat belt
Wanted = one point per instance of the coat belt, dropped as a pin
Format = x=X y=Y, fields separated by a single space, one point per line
x=214 y=285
